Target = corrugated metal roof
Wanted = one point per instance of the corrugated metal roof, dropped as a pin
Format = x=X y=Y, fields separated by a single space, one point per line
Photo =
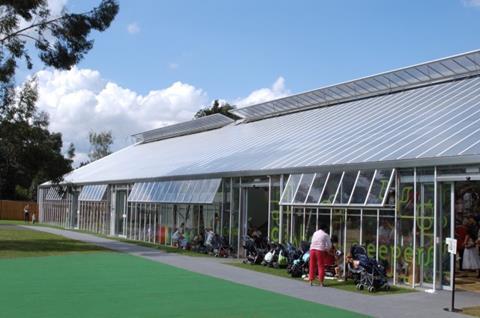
x=445 y=69
x=433 y=122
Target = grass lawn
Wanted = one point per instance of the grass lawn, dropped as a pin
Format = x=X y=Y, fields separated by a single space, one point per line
x=348 y=286
x=471 y=311
x=107 y=284
x=19 y=242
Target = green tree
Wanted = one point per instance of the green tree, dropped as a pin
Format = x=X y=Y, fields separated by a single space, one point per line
x=216 y=108
x=29 y=153
x=61 y=41
x=100 y=144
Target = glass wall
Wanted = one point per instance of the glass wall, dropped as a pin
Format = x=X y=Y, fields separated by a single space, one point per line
x=274 y=234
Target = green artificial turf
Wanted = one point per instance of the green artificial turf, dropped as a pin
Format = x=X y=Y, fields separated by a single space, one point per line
x=16 y=241
x=119 y=285
x=345 y=285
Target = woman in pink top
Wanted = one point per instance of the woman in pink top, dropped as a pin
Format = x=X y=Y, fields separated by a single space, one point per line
x=319 y=248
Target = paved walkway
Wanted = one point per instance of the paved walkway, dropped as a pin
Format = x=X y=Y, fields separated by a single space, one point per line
x=419 y=304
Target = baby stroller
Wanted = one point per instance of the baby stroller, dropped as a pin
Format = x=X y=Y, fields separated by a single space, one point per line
x=367 y=272
x=255 y=254
x=299 y=266
x=220 y=246
x=276 y=256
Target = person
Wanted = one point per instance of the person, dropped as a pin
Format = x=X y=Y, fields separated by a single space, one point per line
x=460 y=234
x=26 y=213
x=471 y=258
x=319 y=247
x=34 y=219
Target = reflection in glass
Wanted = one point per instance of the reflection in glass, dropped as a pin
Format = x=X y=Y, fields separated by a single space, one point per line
x=345 y=187
x=290 y=188
x=303 y=187
x=360 y=192
x=379 y=186
x=317 y=188
x=331 y=188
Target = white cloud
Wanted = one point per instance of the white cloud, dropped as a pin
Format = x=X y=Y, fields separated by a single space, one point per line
x=471 y=3
x=80 y=100
x=133 y=28
x=265 y=94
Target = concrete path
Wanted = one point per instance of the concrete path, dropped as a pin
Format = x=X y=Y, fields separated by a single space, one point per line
x=419 y=304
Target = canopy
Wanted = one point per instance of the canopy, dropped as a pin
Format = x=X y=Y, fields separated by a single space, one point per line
x=93 y=193
x=178 y=191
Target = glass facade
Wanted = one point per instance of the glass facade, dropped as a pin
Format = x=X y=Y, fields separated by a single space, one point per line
x=395 y=214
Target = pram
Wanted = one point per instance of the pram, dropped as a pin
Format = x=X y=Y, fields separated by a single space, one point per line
x=367 y=272
x=299 y=266
x=254 y=251
x=220 y=246
x=276 y=256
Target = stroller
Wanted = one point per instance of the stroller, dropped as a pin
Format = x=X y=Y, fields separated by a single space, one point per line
x=299 y=266
x=276 y=256
x=367 y=272
x=255 y=252
x=220 y=246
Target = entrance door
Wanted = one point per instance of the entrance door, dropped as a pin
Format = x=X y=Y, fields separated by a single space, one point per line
x=74 y=211
x=120 y=212
x=445 y=260
x=254 y=206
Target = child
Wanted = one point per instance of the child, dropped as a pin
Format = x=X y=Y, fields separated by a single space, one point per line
x=34 y=219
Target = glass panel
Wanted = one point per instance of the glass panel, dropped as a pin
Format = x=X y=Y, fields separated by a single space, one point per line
x=369 y=232
x=183 y=185
x=212 y=190
x=172 y=192
x=303 y=188
x=274 y=234
x=386 y=240
x=133 y=193
x=310 y=223
x=162 y=195
x=360 y=192
x=317 y=188
x=331 y=188
x=191 y=191
x=353 y=228
x=445 y=229
x=346 y=186
x=425 y=228
x=290 y=188
x=405 y=228
x=379 y=186
x=197 y=192
x=158 y=191
x=297 y=226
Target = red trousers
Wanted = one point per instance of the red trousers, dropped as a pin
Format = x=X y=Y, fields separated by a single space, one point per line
x=317 y=262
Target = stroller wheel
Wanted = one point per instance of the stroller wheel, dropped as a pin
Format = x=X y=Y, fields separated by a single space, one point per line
x=359 y=286
x=371 y=289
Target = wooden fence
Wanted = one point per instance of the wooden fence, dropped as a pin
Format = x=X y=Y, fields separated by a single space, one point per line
x=13 y=210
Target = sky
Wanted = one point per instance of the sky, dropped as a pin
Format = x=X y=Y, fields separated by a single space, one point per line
x=160 y=61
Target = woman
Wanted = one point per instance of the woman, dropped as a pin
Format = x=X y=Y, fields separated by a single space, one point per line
x=471 y=258
x=319 y=248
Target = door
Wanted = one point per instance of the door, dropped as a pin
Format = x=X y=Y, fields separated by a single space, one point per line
x=120 y=212
x=445 y=260
x=74 y=211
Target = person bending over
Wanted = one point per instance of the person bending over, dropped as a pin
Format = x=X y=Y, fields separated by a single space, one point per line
x=319 y=248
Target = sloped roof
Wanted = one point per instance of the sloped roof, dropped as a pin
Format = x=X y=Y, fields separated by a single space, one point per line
x=432 y=124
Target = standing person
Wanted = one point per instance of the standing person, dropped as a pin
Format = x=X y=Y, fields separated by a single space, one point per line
x=26 y=213
x=319 y=248
x=471 y=258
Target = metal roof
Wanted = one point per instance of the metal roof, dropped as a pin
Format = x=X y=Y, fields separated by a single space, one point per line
x=446 y=69
x=435 y=124
x=186 y=128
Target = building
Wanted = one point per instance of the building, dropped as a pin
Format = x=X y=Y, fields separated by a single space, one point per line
x=390 y=161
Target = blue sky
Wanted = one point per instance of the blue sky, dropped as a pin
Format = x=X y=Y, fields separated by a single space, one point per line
x=229 y=48
x=161 y=61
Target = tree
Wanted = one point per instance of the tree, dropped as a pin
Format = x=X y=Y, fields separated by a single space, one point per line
x=216 y=108
x=61 y=41
x=99 y=144
x=29 y=153
x=71 y=151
